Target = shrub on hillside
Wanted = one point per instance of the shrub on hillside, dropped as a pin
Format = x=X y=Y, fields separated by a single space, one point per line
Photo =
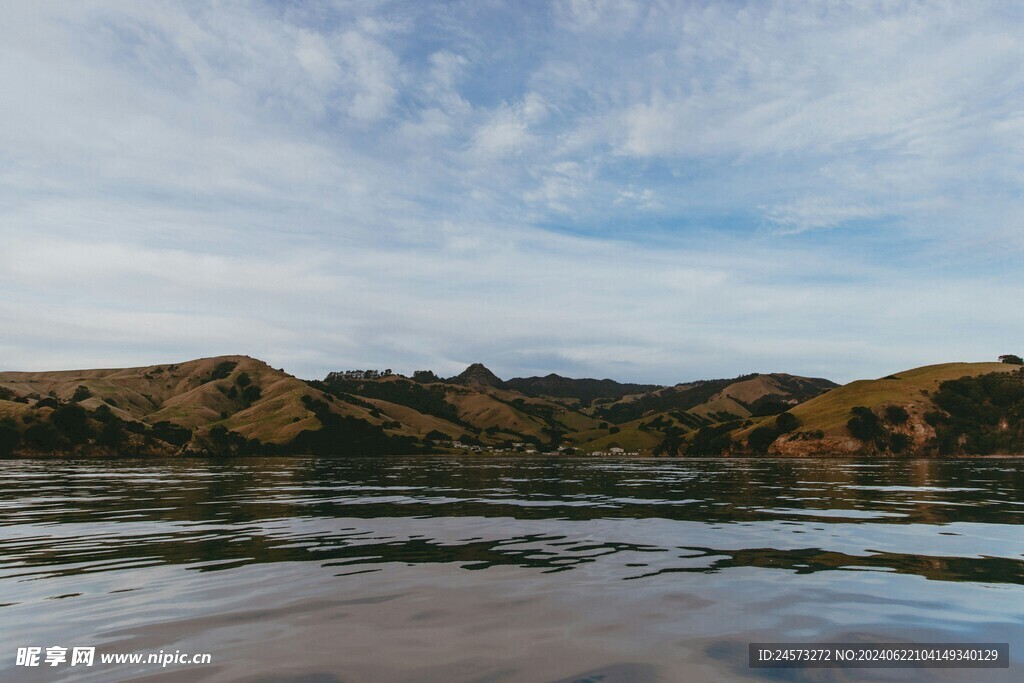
x=762 y=408
x=222 y=370
x=81 y=393
x=896 y=415
x=899 y=443
x=1012 y=359
x=42 y=436
x=761 y=439
x=72 y=422
x=9 y=437
x=250 y=394
x=864 y=425
x=111 y=434
x=659 y=423
x=672 y=442
x=786 y=423
x=171 y=433
x=104 y=415
x=221 y=441
x=712 y=440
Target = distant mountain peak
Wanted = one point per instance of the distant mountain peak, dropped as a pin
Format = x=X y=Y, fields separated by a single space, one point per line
x=477 y=374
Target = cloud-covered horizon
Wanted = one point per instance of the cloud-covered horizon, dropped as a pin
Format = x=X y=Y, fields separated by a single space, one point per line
x=650 y=192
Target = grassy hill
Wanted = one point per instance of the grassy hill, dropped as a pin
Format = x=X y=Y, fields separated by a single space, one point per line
x=473 y=407
x=823 y=420
x=240 y=405
x=911 y=389
x=242 y=395
x=718 y=399
x=922 y=411
x=237 y=404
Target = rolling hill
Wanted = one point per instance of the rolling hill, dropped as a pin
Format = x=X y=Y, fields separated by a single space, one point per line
x=243 y=396
x=232 y=405
x=913 y=391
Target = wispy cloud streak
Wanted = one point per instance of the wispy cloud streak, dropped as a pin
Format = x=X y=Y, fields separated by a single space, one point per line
x=657 y=191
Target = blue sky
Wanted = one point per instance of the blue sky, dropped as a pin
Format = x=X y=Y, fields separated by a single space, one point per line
x=652 y=191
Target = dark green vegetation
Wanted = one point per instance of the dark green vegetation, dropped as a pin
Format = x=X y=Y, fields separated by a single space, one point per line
x=10 y=437
x=348 y=435
x=70 y=428
x=972 y=415
x=584 y=390
x=81 y=393
x=63 y=427
x=874 y=433
x=222 y=370
x=982 y=415
x=240 y=406
x=429 y=400
x=763 y=437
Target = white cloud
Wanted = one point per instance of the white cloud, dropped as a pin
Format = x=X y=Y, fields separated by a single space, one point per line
x=371 y=72
x=641 y=199
x=446 y=70
x=506 y=132
x=561 y=185
x=330 y=187
x=316 y=58
x=603 y=16
x=817 y=212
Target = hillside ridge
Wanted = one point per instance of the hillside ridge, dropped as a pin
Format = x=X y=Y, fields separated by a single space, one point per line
x=238 y=405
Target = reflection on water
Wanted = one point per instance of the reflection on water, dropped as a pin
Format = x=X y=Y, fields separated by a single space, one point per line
x=435 y=568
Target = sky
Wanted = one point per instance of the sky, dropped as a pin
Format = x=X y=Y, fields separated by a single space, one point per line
x=652 y=192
